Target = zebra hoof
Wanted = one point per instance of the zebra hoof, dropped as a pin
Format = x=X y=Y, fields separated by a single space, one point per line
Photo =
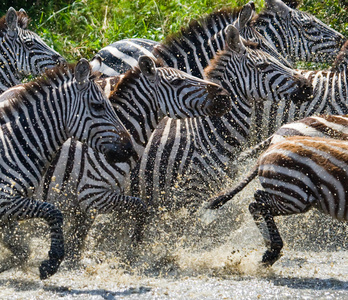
x=270 y=257
x=49 y=268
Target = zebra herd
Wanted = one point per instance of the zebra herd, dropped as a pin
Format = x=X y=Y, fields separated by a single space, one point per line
x=122 y=132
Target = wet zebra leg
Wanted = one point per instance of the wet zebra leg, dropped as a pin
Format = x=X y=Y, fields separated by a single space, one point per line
x=14 y=240
x=80 y=225
x=54 y=219
x=261 y=210
x=18 y=208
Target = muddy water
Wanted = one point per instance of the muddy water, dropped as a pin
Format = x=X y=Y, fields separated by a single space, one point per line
x=210 y=255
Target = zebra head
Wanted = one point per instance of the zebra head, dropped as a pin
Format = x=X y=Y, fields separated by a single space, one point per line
x=248 y=31
x=189 y=96
x=298 y=35
x=92 y=119
x=252 y=74
x=23 y=51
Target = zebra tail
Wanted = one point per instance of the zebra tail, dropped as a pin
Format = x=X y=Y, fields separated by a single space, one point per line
x=253 y=151
x=217 y=202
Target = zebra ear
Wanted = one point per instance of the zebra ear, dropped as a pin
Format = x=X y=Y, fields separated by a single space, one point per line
x=22 y=10
x=96 y=63
x=147 y=67
x=233 y=40
x=82 y=72
x=11 y=19
x=245 y=15
x=278 y=6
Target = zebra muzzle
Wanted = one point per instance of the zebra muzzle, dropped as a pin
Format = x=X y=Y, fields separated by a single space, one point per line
x=220 y=99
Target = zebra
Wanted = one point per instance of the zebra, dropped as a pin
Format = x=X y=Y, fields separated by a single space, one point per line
x=330 y=96
x=297 y=173
x=208 y=159
x=141 y=99
x=298 y=35
x=121 y=56
x=36 y=119
x=22 y=52
x=323 y=126
x=200 y=150
x=297 y=29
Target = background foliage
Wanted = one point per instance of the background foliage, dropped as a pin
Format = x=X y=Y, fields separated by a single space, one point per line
x=80 y=28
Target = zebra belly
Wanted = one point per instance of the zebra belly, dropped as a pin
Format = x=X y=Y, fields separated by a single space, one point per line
x=304 y=172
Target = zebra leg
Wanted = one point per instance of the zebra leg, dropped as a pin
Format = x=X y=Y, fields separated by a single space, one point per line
x=14 y=240
x=19 y=208
x=80 y=225
x=261 y=210
x=107 y=201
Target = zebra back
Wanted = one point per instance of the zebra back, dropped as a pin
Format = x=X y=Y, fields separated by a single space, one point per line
x=279 y=28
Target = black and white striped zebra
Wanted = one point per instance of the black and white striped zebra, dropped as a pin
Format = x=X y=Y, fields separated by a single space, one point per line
x=297 y=174
x=330 y=91
x=323 y=126
x=141 y=99
x=36 y=119
x=199 y=151
x=22 y=52
x=330 y=96
x=216 y=144
x=193 y=46
x=296 y=35
x=121 y=56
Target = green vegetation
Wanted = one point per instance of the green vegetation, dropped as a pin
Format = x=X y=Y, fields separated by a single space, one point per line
x=80 y=28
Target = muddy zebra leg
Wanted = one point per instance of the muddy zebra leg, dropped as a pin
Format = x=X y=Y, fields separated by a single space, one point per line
x=18 y=208
x=263 y=213
x=81 y=224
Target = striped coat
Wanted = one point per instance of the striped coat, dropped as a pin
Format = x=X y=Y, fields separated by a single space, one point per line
x=297 y=174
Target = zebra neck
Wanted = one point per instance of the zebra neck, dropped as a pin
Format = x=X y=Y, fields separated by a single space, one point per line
x=34 y=119
x=271 y=28
x=330 y=91
x=9 y=75
x=138 y=109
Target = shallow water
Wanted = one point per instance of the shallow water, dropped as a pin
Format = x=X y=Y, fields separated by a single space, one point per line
x=210 y=255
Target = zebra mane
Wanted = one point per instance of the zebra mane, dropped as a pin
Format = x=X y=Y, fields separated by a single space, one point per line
x=51 y=76
x=341 y=57
x=220 y=59
x=130 y=77
x=201 y=26
x=23 y=21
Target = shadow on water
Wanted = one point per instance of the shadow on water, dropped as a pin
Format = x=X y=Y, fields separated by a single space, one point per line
x=310 y=283
x=29 y=285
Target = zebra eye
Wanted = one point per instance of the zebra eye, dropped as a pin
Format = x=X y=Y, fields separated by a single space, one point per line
x=97 y=107
x=29 y=44
x=176 y=81
x=307 y=26
x=262 y=66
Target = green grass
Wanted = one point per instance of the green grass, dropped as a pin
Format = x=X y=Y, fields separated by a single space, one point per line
x=80 y=28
